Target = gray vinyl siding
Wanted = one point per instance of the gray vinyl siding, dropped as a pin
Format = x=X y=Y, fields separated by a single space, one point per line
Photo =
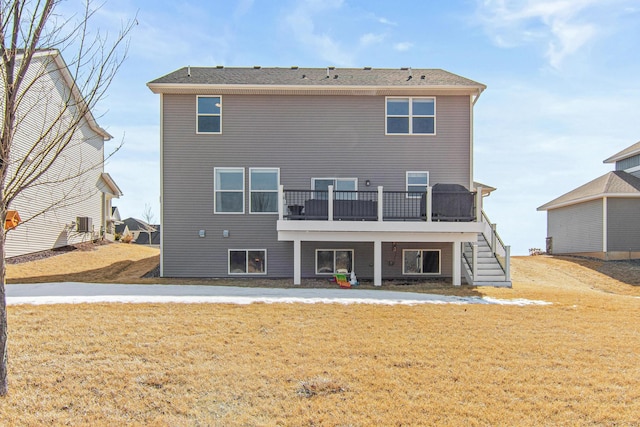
x=623 y=224
x=304 y=136
x=576 y=228
x=628 y=163
x=70 y=195
x=363 y=258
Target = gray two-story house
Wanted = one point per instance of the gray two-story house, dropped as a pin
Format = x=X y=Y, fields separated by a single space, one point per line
x=308 y=172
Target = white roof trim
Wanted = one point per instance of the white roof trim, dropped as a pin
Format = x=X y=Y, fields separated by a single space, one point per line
x=68 y=78
x=115 y=190
x=589 y=199
x=168 y=87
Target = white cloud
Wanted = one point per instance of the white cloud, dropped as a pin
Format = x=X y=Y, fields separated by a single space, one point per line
x=403 y=46
x=301 y=21
x=243 y=8
x=371 y=38
x=563 y=27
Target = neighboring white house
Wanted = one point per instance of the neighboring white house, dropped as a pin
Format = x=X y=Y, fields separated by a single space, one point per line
x=601 y=218
x=71 y=202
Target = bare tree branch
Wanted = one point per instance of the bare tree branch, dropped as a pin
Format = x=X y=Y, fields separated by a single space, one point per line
x=41 y=130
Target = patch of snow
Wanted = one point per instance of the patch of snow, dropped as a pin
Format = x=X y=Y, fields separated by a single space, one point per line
x=245 y=300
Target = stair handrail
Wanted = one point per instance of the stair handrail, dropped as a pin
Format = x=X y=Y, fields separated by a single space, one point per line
x=500 y=251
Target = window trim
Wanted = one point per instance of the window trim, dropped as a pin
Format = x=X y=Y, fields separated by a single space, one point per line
x=410 y=116
x=215 y=190
x=246 y=273
x=406 y=180
x=263 y=191
x=198 y=115
x=353 y=259
x=404 y=273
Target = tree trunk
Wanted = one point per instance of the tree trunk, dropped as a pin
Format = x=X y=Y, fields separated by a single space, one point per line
x=4 y=386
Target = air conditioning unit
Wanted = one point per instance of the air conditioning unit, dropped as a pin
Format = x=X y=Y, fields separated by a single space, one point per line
x=84 y=224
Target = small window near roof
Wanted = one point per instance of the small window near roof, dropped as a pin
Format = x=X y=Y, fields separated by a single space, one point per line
x=209 y=114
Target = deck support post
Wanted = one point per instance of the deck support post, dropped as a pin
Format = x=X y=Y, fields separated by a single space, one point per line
x=429 y=201
x=479 y=204
x=457 y=264
x=281 y=202
x=296 y=263
x=380 y=201
x=330 y=204
x=377 y=263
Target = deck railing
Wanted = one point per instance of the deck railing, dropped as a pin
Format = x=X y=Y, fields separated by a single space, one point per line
x=378 y=205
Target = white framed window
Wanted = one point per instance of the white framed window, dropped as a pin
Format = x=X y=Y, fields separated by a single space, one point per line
x=209 y=114
x=332 y=261
x=247 y=261
x=263 y=189
x=410 y=115
x=349 y=185
x=228 y=190
x=421 y=261
x=417 y=183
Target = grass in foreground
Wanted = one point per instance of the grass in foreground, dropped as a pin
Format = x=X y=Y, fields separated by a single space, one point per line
x=209 y=364
x=576 y=362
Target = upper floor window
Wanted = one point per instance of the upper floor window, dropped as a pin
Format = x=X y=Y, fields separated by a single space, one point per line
x=209 y=114
x=410 y=116
x=417 y=183
x=228 y=190
x=263 y=184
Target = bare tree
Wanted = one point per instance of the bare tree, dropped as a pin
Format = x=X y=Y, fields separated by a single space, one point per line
x=32 y=35
x=148 y=217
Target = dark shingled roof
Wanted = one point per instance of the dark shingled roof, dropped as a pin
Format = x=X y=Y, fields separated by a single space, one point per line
x=613 y=183
x=405 y=77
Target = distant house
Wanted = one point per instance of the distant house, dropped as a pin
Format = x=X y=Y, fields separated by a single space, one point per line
x=71 y=202
x=601 y=218
x=141 y=231
x=308 y=172
x=143 y=238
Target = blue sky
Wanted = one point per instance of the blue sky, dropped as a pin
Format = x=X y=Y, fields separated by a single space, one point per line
x=563 y=80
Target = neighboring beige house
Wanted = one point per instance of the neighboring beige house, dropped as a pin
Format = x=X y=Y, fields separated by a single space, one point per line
x=76 y=178
x=601 y=218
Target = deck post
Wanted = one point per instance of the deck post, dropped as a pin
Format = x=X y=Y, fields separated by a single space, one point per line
x=429 y=202
x=377 y=263
x=296 y=263
x=330 y=204
x=281 y=205
x=507 y=263
x=493 y=238
x=479 y=204
x=474 y=255
x=457 y=264
x=380 y=201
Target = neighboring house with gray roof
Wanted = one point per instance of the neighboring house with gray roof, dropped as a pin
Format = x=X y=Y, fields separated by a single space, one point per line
x=308 y=172
x=602 y=217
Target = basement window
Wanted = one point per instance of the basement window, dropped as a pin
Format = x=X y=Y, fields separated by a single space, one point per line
x=420 y=261
x=332 y=261
x=247 y=261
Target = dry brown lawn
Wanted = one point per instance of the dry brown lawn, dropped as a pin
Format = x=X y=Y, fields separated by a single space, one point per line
x=576 y=362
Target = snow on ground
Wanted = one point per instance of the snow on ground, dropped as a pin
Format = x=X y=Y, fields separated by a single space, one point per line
x=77 y=293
